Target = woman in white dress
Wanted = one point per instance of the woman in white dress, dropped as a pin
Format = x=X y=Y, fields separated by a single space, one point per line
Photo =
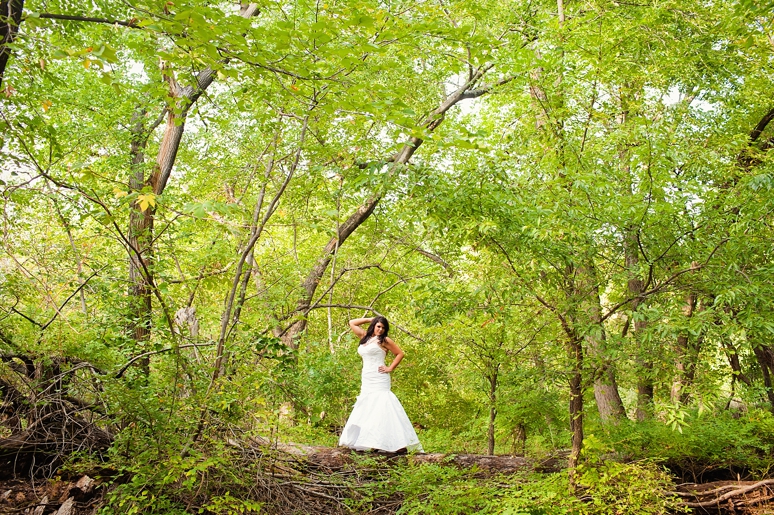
x=378 y=421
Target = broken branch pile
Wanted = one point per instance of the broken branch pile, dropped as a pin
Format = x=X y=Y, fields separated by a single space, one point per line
x=50 y=409
x=741 y=497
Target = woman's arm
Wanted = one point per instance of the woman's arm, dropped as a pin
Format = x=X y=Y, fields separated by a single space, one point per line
x=392 y=347
x=355 y=326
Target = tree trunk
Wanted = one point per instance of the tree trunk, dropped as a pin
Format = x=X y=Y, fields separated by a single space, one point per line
x=492 y=379
x=576 y=402
x=10 y=19
x=644 y=391
x=519 y=439
x=141 y=222
x=765 y=356
x=139 y=235
x=733 y=361
x=292 y=333
x=636 y=287
x=683 y=368
x=609 y=403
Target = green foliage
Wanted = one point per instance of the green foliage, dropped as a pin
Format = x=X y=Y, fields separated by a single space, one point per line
x=604 y=182
x=612 y=487
x=737 y=443
x=605 y=488
x=205 y=478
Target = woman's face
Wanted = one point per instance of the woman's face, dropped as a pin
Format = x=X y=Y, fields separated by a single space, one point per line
x=379 y=329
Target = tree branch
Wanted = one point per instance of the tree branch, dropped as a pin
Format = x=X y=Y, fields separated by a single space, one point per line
x=73 y=294
x=69 y=17
x=123 y=369
x=729 y=495
x=372 y=310
x=758 y=130
x=661 y=286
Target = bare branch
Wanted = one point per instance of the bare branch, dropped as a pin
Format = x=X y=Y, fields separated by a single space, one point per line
x=69 y=17
x=437 y=259
x=123 y=369
x=73 y=294
x=659 y=287
x=372 y=310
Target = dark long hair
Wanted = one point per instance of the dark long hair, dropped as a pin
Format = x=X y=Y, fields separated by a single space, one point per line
x=370 y=332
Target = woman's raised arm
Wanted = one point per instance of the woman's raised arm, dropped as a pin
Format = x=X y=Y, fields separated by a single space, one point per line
x=355 y=326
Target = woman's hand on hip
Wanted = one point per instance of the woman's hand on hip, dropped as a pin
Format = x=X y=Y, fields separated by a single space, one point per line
x=384 y=370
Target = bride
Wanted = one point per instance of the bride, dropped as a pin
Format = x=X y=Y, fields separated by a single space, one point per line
x=378 y=420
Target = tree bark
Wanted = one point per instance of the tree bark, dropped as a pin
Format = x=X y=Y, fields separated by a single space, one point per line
x=765 y=356
x=492 y=379
x=609 y=403
x=139 y=236
x=141 y=222
x=519 y=439
x=576 y=402
x=733 y=361
x=636 y=288
x=10 y=19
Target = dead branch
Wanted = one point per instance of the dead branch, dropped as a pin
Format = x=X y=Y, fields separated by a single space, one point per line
x=738 y=490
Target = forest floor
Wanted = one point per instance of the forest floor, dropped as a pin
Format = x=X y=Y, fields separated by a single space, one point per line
x=82 y=495
x=78 y=496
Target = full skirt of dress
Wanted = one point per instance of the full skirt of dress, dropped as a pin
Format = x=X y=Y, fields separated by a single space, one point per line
x=378 y=420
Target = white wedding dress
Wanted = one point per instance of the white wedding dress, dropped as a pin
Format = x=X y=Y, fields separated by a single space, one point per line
x=378 y=421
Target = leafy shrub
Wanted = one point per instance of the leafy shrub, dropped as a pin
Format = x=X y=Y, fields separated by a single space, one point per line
x=709 y=443
x=604 y=488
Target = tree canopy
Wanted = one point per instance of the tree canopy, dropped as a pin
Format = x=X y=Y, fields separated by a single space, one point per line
x=555 y=203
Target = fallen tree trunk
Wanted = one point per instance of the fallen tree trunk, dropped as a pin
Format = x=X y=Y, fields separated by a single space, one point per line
x=336 y=458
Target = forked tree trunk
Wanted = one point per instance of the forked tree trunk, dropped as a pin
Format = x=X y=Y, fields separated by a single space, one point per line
x=140 y=237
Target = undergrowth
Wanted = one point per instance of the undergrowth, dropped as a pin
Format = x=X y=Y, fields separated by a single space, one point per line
x=623 y=471
x=705 y=446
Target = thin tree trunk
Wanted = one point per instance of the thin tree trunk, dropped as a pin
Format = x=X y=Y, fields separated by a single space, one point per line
x=765 y=357
x=683 y=351
x=519 y=437
x=636 y=287
x=492 y=379
x=576 y=402
x=78 y=258
x=139 y=236
x=645 y=389
x=733 y=361
x=10 y=19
